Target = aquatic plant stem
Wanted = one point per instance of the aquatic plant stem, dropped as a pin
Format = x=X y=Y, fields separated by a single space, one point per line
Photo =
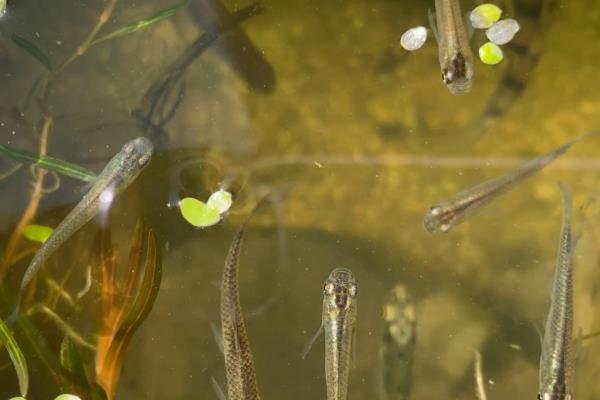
x=32 y=207
x=87 y=43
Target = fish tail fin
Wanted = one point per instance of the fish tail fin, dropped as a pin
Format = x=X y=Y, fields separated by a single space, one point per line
x=10 y=320
x=567 y=200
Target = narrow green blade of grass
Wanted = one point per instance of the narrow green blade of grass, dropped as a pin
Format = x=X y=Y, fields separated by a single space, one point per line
x=49 y=163
x=33 y=50
x=17 y=357
x=72 y=367
x=144 y=23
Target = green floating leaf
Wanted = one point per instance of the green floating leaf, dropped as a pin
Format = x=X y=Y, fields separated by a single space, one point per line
x=37 y=233
x=17 y=358
x=2 y=7
x=144 y=23
x=198 y=213
x=67 y=397
x=49 y=163
x=221 y=200
x=490 y=54
x=485 y=15
x=33 y=50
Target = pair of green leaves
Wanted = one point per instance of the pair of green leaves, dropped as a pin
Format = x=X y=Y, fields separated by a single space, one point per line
x=43 y=59
x=203 y=215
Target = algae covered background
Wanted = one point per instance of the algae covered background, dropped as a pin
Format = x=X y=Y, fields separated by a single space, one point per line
x=358 y=138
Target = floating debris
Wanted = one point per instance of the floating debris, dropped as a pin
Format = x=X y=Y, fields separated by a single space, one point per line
x=503 y=31
x=485 y=15
x=37 y=233
x=490 y=54
x=414 y=38
x=2 y=7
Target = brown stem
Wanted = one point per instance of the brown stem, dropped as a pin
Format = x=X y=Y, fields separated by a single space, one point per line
x=32 y=207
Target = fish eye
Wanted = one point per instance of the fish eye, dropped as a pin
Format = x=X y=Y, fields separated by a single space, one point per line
x=143 y=161
x=128 y=148
x=353 y=290
x=328 y=288
x=445 y=228
x=435 y=211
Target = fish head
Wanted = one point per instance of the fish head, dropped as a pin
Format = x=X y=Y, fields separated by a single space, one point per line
x=340 y=288
x=440 y=219
x=136 y=155
x=457 y=73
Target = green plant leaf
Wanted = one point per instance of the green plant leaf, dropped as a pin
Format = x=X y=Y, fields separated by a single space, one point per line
x=198 y=213
x=49 y=163
x=16 y=356
x=37 y=233
x=72 y=369
x=33 y=50
x=144 y=23
x=67 y=397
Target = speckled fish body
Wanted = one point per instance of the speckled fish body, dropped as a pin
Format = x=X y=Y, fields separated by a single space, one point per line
x=556 y=361
x=339 y=324
x=120 y=171
x=239 y=364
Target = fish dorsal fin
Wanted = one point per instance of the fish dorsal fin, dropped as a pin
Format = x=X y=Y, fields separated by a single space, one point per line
x=218 y=335
x=433 y=25
x=311 y=341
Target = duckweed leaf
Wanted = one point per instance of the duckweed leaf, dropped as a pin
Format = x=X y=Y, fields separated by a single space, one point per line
x=198 y=213
x=33 y=50
x=67 y=397
x=503 y=31
x=221 y=200
x=485 y=15
x=490 y=54
x=37 y=233
x=414 y=38
x=144 y=23
x=16 y=356
x=49 y=163
x=2 y=7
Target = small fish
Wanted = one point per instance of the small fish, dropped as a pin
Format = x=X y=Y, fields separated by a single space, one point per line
x=339 y=324
x=444 y=216
x=398 y=346
x=119 y=173
x=556 y=361
x=239 y=365
x=454 y=51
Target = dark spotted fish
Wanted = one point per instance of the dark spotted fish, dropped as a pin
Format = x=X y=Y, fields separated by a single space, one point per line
x=239 y=364
x=444 y=216
x=397 y=350
x=556 y=361
x=454 y=50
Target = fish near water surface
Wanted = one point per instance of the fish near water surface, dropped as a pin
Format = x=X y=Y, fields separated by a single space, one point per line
x=118 y=174
x=442 y=217
x=339 y=324
x=239 y=363
x=556 y=360
x=397 y=350
x=454 y=50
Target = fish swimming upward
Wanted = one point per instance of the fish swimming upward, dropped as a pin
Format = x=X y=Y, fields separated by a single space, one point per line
x=339 y=325
x=556 y=361
x=119 y=173
x=444 y=216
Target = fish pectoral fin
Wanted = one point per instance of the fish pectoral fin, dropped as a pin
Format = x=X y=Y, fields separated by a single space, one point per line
x=353 y=346
x=539 y=332
x=468 y=25
x=218 y=335
x=433 y=25
x=311 y=341
x=217 y=388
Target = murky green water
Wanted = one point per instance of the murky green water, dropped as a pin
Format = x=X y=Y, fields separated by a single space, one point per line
x=316 y=102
